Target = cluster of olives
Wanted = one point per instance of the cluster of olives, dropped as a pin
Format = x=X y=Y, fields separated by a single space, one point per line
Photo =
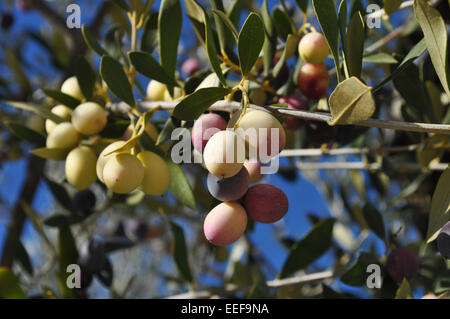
x=229 y=178
x=120 y=170
x=313 y=79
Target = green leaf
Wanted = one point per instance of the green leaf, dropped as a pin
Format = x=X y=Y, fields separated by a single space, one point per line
x=356 y=275
x=61 y=194
x=404 y=291
x=223 y=33
x=303 y=5
x=26 y=133
x=328 y=20
x=149 y=40
x=250 y=43
x=9 y=285
x=37 y=223
x=270 y=44
x=435 y=33
x=211 y=48
x=117 y=243
x=113 y=74
x=198 y=102
x=36 y=109
x=20 y=253
x=308 y=249
x=92 y=42
x=289 y=50
x=410 y=86
x=351 y=102
x=410 y=189
x=355 y=45
x=169 y=30
x=281 y=23
x=179 y=185
x=148 y=144
x=415 y=52
x=166 y=132
x=390 y=6
x=440 y=206
x=57 y=154
x=85 y=76
x=380 y=58
x=226 y=22
x=62 y=98
x=180 y=252
x=342 y=16
x=374 y=220
x=122 y=3
x=148 y=66
x=61 y=220
x=68 y=254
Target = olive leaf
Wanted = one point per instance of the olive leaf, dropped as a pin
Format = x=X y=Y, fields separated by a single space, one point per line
x=57 y=154
x=169 y=23
x=26 y=133
x=180 y=252
x=250 y=43
x=390 y=6
x=9 y=285
x=355 y=45
x=404 y=291
x=62 y=98
x=440 y=206
x=351 y=102
x=40 y=110
x=435 y=34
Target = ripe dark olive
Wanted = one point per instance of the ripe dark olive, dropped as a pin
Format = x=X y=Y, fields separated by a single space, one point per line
x=401 y=263
x=443 y=241
x=92 y=255
x=7 y=20
x=84 y=202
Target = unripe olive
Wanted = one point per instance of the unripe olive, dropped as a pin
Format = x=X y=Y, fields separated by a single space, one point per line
x=262 y=123
x=156 y=91
x=224 y=154
x=177 y=93
x=205 y=127
x=313 y=80
x=225 y=223
x=266 y=203
x=294 y=102
x=72 y=88
x=35 y=123
x=64 y=135
x=401 y=263
x=80 y=167
x=443 y=241
x=229 y=189
x=156 y=173
x=89 y=118
x=60 y=110
x=313 y=48
x=254 y=170
x=123 y=173
x=103 y=158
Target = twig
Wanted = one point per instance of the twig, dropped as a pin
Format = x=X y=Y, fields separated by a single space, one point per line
x=231 y=289
x=306 y=152
x=379 y=13
x=365 y=166
x=232 y=106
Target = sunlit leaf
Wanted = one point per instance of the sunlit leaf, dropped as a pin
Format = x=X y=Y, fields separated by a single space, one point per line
x=440 y=206
x=250 y=43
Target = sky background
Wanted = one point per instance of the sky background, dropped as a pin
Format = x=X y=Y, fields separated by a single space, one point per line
x=304 y=197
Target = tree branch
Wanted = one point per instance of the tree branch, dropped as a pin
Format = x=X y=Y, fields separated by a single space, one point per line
x=232 y=106
x=231 y=289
